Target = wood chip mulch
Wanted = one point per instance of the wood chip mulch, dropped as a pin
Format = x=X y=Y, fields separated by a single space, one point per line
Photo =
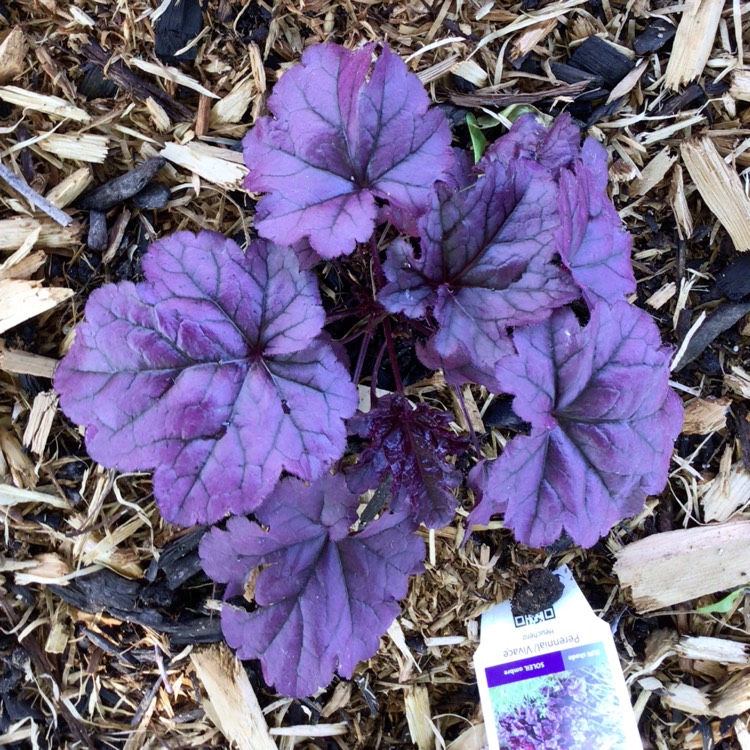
x=108 y=631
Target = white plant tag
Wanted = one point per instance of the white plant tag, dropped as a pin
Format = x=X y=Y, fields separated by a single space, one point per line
x=553 y=679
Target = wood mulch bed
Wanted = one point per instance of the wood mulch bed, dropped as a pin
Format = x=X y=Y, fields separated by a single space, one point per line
x=109 y=631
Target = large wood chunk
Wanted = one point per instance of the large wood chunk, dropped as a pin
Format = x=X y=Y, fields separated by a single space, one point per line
x=678 y=566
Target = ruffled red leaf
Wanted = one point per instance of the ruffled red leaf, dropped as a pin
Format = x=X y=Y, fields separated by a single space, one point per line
x=412 y=444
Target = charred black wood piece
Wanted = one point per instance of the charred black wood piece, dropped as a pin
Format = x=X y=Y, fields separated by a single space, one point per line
x=197 y=630
x=734 y=280
x=594 y=84
x=152 y=196
x=178 y=561
x=715 y=89
x=571 y=74
x=119 y=597
x=722 y=318
x=11 y=672
x=655 y=36
x=370 y=698
x=739 y=415
x=94 y=85
x=119 y=189
x=500 y=414
x=19 y=709
x=692 y=96
x=456 y=115
x=134 y=84
x=462 y=85
x=180 y=23
x=604 y=110
x=602 y=59
x=254 y=22
x=27 y=162
x=100 y=641
x=596 y=8
x=417 y=644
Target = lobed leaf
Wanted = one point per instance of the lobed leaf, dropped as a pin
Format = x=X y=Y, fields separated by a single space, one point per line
x=411 y=443
x=593 y=243
x=324 y=595
x=457 y=363
x=603 y=418
x=484 y=264
x=212 y=372
x=591 y=240
x=555 y=149
x=344 y=133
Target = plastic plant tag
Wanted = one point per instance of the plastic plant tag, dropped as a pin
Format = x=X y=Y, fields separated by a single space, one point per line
x=553 y=679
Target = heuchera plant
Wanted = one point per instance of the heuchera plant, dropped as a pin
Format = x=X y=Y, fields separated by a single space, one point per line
x=219 y=370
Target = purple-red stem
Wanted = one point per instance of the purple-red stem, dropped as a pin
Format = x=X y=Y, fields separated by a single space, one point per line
x=392 y=355
x=362 y=354
x=381 y=280
x=376 y=264
x=343 y=314
x=375 y=370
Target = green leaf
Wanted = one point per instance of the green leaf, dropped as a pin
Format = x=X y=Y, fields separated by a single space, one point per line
x=492 y=119
x=478 y=141
x=514 y=111
x=724 y=605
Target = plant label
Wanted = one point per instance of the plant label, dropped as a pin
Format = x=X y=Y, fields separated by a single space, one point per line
x=553 y=678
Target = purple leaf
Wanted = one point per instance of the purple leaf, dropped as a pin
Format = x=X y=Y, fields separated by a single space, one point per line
x=554 y=149
x=411 y=443
x=604 y=422
x=460 y=175
x=324 y=595
x=457 y=365
x=484 y=263
x=344 y=132
x=594 y=158
x=212 y=372
x=592 y=241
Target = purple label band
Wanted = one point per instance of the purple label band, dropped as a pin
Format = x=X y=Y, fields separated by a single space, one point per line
x=536 y=666
x=583 y=656
x=524 y=669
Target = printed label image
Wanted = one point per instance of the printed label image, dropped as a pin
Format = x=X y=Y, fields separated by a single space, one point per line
x=566 y=699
